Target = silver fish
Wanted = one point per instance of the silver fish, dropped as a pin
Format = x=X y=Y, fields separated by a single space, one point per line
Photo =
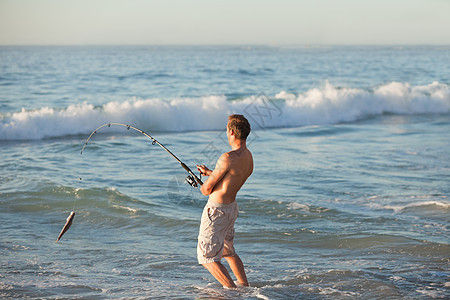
x=67 y=225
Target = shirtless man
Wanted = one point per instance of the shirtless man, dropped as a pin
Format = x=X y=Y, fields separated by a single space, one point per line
x=216 y=235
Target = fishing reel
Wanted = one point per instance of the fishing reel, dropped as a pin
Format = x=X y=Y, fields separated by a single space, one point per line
x=192 y=181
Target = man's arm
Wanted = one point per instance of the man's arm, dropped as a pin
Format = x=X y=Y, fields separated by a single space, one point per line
x=222 y=167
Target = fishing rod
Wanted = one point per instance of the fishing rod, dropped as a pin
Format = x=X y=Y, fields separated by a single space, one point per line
x=192 y=179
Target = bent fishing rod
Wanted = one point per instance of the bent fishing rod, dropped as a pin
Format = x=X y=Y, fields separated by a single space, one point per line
x=192 y=179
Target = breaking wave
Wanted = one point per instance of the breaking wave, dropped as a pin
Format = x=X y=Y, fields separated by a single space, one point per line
x=325 y=105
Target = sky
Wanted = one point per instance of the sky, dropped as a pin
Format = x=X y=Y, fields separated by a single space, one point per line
x=230 y=22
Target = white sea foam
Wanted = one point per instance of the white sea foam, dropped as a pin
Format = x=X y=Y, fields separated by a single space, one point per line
x=132 y=210
x=332 y=291
x=438 y=205
x=330 y=105
x=295 y=205
x=325 y=105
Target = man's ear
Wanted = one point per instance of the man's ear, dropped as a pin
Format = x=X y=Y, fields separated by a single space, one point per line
x=231 y=132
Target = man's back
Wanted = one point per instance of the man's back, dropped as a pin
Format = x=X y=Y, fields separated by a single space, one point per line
x=237 y=166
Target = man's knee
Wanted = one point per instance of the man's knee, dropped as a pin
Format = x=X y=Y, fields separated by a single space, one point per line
x=227 y=252
x=225 y=255
x=211 y=264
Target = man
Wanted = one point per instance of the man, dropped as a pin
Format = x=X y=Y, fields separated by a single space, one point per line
x=216 y=235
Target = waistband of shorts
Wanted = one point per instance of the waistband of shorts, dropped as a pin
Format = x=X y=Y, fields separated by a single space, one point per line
x=223 y=205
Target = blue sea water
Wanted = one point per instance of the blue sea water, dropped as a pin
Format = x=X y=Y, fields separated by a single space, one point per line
x=349 y=197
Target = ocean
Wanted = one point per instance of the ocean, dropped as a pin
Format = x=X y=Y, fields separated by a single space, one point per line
x=349 y=197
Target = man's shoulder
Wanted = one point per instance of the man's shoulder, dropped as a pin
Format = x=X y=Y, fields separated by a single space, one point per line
x=239 y=157
x=224 y=160
x=238 y=153
x=226 y=155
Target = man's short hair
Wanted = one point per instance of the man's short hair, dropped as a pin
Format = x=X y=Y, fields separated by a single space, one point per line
x=240 y=125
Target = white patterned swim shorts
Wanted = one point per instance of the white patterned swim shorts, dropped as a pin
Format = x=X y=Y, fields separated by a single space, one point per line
x=216 y=231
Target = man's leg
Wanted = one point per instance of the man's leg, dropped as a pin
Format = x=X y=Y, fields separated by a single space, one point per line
x=220 y=273
x=237 y=267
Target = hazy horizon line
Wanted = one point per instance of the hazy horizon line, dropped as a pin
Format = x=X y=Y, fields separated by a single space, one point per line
x=306 y=45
